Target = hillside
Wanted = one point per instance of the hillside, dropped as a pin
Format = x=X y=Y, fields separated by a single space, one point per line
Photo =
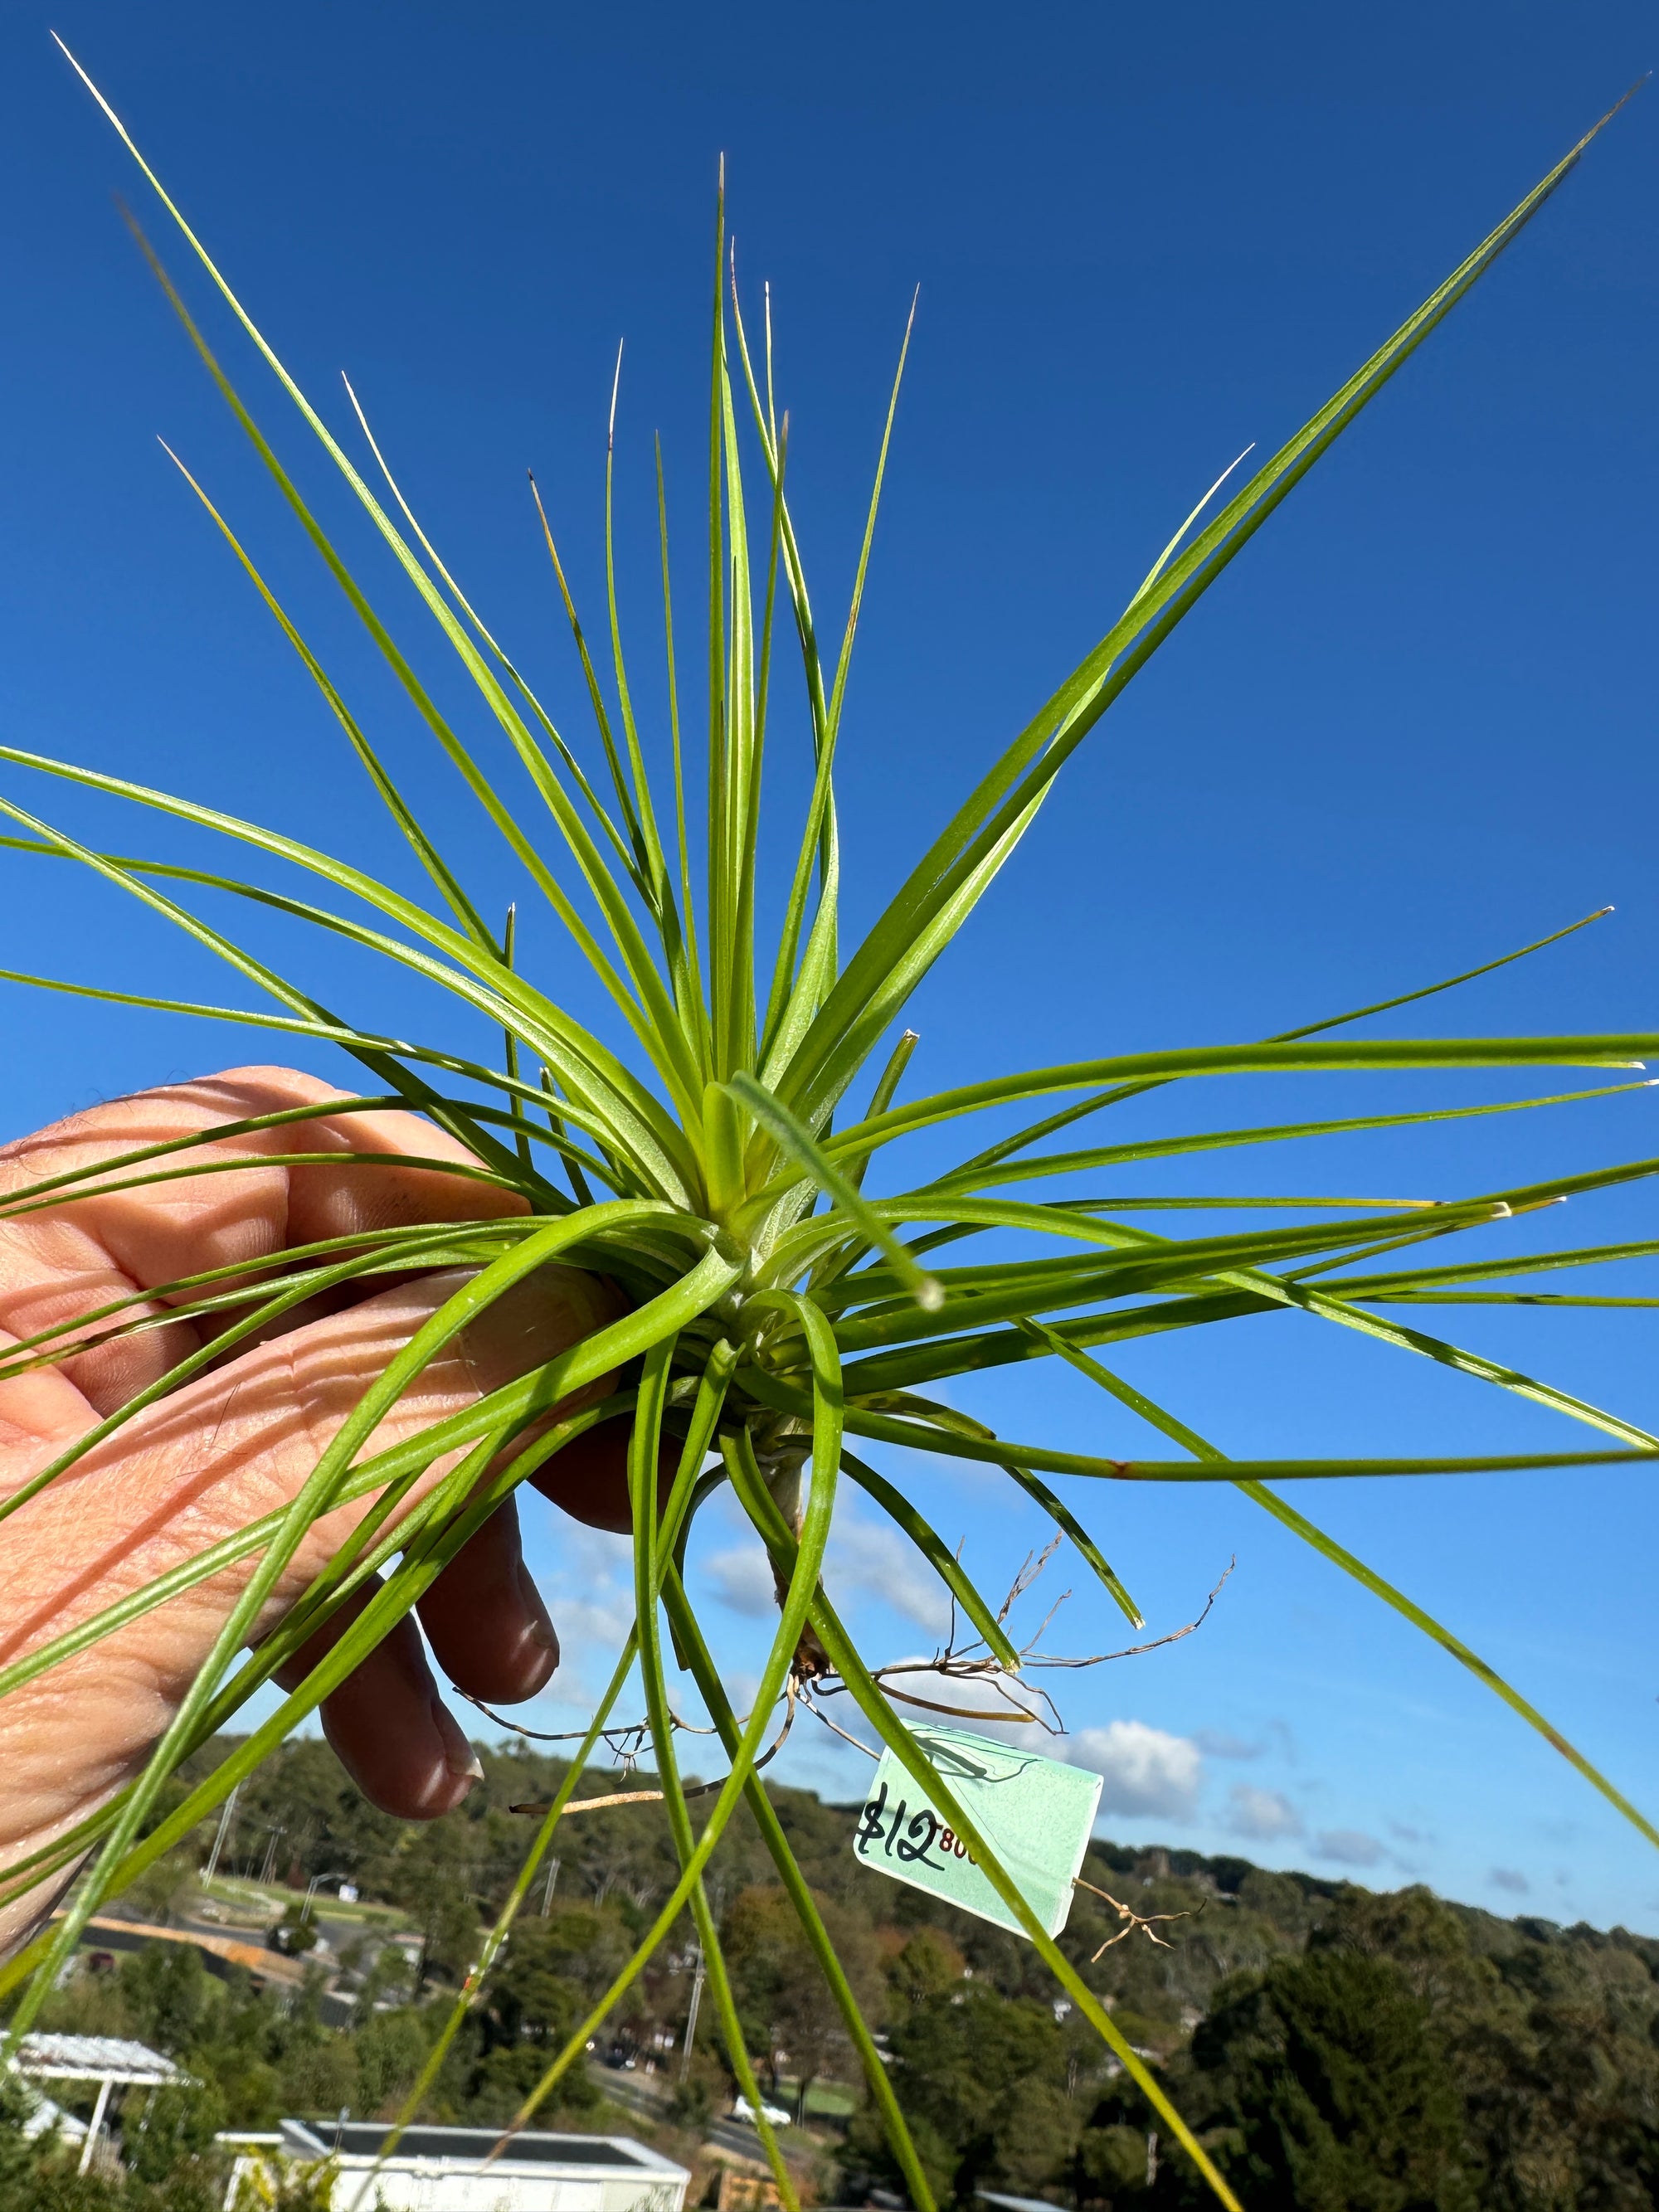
x=1336 y=2047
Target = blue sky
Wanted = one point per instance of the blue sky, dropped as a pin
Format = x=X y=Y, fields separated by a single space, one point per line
x=1410 y=730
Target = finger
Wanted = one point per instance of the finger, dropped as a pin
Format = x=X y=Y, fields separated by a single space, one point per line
x=90 y=1249
x=41 y=1411
x=588 y=1478
x=185 y=1472
x=484 y=1618
x=387 y=1724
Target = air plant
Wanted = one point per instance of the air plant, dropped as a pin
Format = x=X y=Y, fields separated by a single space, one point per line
x=783 y=1308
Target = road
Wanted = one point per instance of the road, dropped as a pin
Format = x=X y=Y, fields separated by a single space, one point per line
x=640 y=2094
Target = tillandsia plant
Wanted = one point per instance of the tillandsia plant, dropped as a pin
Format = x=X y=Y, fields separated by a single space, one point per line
x=782 y=1302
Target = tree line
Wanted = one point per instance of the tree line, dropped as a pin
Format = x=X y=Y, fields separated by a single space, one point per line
x=1336 y=2050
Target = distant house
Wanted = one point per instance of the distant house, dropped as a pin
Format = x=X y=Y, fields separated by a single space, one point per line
x=446 y=2170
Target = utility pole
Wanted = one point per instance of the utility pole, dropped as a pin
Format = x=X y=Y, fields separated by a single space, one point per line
x=547 y=1892
x=221 y=1839
x=691 y=2016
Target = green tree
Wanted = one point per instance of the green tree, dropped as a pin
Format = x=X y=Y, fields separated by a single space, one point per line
x=549 y=1967
x=981 y=2080
x=391 y=2048
x=168 y=1993
x=431 y=1876
x=296 y=1931
x=1330 y=2074
x=19 y=2156
x=37 y=2173
x=318 y=2076
x=697 y=2095
x=783 y=2001
x=544 y=1981
x=177 y=2123
x=160 y=1891
x=928 y=1965
x=504 y=2076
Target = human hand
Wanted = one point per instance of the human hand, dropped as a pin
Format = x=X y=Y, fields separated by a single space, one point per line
x=240 y=1439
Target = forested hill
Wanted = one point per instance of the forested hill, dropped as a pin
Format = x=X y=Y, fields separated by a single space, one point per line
x=1238 y=1917
x=1336 y=2047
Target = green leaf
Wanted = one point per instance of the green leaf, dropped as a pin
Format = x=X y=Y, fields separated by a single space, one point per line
x=712 y=1691
x=1300 y=1525
x=782 y=1127
x=927 y=1540
x=1376 y=1055
x=1116 y=1095
x=876 y=1709
x=1001 y=1171
x=814 y=1535
x=1003 y=801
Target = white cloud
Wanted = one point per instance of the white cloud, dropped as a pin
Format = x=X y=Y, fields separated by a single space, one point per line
x=973 y=1704
x=1349 y=1847
x=595 y=1550
x=867 y=1562
x=596 y=1623
x=743 y=1580
x=1147 y=1772
x=742 y=1687
x=1508 y=1878
x=586 y=1578
x=871 y=1559
x=1261 y=1813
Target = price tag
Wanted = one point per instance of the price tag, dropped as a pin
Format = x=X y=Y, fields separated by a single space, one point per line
x=1036 y=1813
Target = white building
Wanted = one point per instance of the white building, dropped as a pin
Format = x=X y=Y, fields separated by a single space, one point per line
x=111 y=2061
x=445 y=2170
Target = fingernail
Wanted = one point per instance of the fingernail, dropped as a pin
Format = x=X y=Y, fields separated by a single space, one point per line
x=541 y=1631
x=460 y=1756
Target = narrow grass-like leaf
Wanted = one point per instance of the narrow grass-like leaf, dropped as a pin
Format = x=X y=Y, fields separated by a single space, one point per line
x=904 y=1515
x=1329 y=1548
x=789 y=1134
x=799 y=986
x=661 y=1035
x=1020 y=779
x=712 y=1691
x=892 y=1732
x=642 y=1497
x=1371 y=1055
x=1116 y=1095
x=1004 y=1171
x=796 y=1601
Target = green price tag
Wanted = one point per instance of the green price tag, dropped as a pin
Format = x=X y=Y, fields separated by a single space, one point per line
x=1035 y=1813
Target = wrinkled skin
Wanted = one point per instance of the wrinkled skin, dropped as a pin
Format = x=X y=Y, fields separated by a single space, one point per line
x=241 y=1439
